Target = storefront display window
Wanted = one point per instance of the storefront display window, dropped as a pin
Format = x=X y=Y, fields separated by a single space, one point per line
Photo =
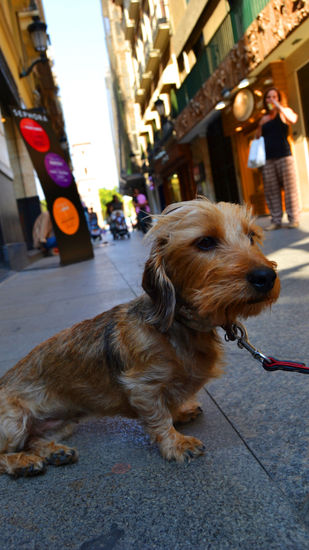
x=174 y=188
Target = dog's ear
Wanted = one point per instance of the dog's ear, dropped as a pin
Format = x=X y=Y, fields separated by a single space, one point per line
x=159 y=287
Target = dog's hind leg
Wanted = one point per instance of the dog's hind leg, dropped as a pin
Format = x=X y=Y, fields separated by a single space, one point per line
x=41 y=443
x=22 y=464
x=15 y=420
x=24 y=451
x=33 y=460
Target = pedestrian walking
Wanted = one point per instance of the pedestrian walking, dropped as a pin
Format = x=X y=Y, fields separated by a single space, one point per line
x=142 y=210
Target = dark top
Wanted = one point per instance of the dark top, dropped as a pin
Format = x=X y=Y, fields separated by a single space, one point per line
x=275 y=133
x=113 y=205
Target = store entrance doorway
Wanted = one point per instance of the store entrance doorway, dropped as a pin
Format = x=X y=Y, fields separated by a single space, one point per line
x=303 y=81
x=222 y=163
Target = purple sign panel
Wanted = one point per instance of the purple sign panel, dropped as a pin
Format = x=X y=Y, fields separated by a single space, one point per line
x=58 y=170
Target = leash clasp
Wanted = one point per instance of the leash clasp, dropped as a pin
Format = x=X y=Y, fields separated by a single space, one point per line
x=238 y=332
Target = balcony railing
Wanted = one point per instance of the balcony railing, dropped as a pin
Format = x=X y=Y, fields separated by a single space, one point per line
x=160 y=24
x=230 y=31
x=161 y=33
x=147 y=49
x=128 y=25
x=195 y=79
x=133 y=9
x=161 y=9
x=220 y=44
x=243 y=13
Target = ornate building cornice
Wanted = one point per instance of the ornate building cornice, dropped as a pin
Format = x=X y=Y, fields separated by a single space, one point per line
x=270 y=28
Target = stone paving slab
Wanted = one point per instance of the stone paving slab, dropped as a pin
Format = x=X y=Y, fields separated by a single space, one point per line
x=122 y=495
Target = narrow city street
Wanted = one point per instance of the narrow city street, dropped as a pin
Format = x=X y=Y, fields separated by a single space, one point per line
x=251 y=488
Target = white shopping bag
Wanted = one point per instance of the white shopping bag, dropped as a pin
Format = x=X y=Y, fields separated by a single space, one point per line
x=257 y=156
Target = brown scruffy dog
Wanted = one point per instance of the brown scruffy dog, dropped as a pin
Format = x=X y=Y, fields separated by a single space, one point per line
x=148 y=358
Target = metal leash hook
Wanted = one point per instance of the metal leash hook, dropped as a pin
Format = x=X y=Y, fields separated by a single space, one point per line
x=238 y=332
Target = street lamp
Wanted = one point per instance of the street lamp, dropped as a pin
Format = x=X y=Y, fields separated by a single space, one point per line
x=167 y=129
x=159 y=105
x=37 y=31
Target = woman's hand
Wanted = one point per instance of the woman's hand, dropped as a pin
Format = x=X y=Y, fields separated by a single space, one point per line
x=289 y=116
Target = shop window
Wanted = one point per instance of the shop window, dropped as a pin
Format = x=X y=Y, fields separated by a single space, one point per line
x=174 y=188
x=199 y=46
x=203 y=186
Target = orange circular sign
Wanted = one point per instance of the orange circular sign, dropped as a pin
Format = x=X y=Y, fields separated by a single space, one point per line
x=34 y=134
x=66 y=215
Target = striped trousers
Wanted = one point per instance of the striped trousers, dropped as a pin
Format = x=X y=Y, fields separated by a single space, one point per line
x=280 y=174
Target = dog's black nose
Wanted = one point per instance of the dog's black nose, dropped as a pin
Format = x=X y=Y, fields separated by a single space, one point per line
x=262 y=278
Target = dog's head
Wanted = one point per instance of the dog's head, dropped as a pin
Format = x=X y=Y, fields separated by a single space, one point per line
x=207 y=256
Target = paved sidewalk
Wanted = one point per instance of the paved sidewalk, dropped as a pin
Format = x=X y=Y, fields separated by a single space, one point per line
x=251 y=489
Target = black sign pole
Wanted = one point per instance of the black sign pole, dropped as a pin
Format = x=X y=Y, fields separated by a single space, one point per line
x=60 y=190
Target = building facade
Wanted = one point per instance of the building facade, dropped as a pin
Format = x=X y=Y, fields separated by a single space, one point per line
x=85 y=177
x=19 y=202
x=197 y=70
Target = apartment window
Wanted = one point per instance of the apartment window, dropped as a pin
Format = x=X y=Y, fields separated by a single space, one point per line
x=199 y=46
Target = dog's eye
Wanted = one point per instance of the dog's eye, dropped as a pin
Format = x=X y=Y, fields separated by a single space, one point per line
x=206 y=243
x=251 y=237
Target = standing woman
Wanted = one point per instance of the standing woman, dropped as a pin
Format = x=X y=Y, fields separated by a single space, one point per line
x=279 y=170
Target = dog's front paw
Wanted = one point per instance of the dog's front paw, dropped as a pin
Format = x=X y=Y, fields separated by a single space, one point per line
x=181 y=448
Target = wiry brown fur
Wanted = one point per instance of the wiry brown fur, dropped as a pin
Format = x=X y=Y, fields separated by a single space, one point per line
x=147 y=358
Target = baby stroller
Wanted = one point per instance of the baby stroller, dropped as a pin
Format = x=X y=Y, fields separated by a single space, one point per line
x=95 y=231
x=118 y=225
x=93 y=226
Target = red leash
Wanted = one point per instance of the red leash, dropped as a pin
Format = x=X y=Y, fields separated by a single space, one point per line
x=238 y=332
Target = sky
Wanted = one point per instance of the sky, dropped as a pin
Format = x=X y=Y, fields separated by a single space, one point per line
x=81 y=62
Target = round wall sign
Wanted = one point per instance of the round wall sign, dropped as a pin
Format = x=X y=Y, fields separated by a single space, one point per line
x=34 y=135
x=58 y=169
x=66 y=215
x=243 y=105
